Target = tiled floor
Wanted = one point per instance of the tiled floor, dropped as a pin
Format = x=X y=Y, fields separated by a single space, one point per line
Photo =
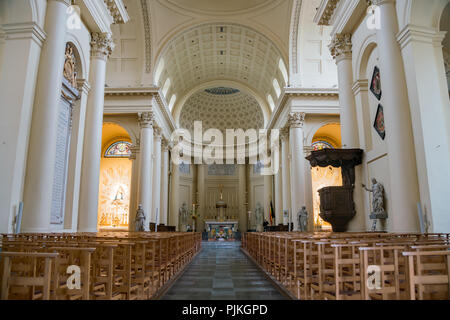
x=222 y=272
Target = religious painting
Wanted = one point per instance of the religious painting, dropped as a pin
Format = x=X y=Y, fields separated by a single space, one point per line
x=320 y=145
x=375 y=85
x=120 y=149
x=379 y=122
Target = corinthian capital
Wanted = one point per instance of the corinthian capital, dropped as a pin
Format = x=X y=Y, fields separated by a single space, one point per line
x=296 y=119
x=146 y=119
x=341 y=46
x=102 y=45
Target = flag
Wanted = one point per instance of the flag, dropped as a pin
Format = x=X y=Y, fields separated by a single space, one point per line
x=272 y=213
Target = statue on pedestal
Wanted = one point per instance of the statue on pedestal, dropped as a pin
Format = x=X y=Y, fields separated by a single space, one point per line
x=378 y=211
x=139 y=221
x=303 y=220
x=183 y=213
x=259 y=217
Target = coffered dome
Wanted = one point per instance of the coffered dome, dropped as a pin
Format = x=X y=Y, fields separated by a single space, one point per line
x=219 y=52
x=221 y=108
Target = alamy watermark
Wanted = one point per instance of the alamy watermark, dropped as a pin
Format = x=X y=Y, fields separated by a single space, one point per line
x=373 y=17
x=73 y=18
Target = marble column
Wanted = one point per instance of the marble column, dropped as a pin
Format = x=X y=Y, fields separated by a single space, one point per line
x=156 y=196
x=164 y=183
x=101 y=48
x=341 y=50
x=38 y=186
x=268 y=196
x=134 y=187
x=423 y=59
x=296 y=121
x=200 y=194
x=174 y=196
x=285 y=171
x=278 y=199
x=399 y=134
x=20 y=53
x=145 y=162
x=76 y=158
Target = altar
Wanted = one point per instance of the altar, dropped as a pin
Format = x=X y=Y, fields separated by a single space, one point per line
x=221 y=230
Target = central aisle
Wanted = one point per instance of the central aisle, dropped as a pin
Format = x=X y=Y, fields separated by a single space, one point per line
x=222 y=272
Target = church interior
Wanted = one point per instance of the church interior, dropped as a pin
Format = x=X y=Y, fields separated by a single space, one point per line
x=224 y=150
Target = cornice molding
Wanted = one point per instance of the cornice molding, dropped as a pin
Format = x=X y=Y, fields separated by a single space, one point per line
x=325 y=11
x=16 y=31
x=118 y=11
x=152 y=91
x=413 y=33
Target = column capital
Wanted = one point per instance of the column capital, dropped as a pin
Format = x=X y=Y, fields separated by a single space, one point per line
x=296 y=119
x=341 y=46
x=165 y=145
x=135 y=149
x=146 y=119
x=157 y=132
x=102 y=45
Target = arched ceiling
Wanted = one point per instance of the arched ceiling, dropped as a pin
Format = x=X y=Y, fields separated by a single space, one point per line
x=222 y=108
x=220 y=51
x=219 y=6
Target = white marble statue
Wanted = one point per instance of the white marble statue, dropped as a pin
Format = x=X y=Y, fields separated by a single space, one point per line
x=377 y=198
x=303 y=220
x=259 y=217
x=183 y=212
x=139 y=221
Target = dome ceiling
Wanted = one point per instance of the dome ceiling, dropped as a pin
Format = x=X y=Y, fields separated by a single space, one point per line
x=219 y=52
x=219 y=6
x=221 y=108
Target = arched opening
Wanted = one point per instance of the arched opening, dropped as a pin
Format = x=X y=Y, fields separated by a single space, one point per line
x=327 y=137
x=115 y=179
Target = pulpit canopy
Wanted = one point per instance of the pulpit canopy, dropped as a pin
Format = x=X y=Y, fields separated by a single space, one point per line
x=346 y=159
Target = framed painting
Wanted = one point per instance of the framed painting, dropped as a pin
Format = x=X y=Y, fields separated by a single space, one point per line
x=379 y=122
x=375 y=85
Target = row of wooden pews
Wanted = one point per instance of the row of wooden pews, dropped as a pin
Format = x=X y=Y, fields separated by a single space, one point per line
x=355 y=266
x=111 y=265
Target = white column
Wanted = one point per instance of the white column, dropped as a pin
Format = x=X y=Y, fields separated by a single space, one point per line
x=145 y=162
x=101 y=48
x=156 y=195
x=430 y=112
x=42 y=144
x=21 y=50
x=134 y=187
x=76 y=158
x=278 y=199
x=164 y=183
x=296 y=121
x=200 y=190
x=174 y=196
x=268 y=195
x=341 y=50
x=285 y=170
x=399 y=134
